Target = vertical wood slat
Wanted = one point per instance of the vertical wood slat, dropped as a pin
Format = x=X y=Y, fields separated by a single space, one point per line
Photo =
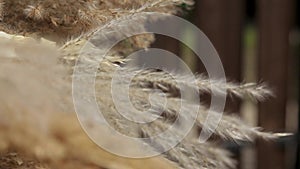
x=222 y=22
x=168 y=44
x=274 y=27
x=211 y=20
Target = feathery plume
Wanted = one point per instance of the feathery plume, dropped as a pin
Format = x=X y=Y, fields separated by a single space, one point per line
x=1 y=9
x=153 y=79
x=39 y=91
x=34 y=12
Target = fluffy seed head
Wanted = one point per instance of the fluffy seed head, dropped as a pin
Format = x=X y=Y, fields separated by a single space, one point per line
x=34 y=12
x=1 y=9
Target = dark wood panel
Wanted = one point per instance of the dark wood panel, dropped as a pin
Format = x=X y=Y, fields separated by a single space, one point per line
x=274 y=27
x=222 y=21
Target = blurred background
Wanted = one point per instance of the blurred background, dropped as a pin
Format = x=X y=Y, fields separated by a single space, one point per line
x=257 y=41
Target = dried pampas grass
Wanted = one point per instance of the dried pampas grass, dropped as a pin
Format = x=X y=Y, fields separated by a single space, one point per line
x=60 y=20
x=39 y=122
x=1 y=10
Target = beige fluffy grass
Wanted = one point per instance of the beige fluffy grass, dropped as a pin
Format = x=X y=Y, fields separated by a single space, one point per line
x=60 y=20
x=39 y=121
x=33 y=101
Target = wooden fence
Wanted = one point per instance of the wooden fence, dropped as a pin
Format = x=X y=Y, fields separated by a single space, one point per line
x=225 y=23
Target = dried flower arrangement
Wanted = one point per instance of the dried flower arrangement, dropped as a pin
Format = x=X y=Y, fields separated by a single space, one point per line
x=36 y=106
